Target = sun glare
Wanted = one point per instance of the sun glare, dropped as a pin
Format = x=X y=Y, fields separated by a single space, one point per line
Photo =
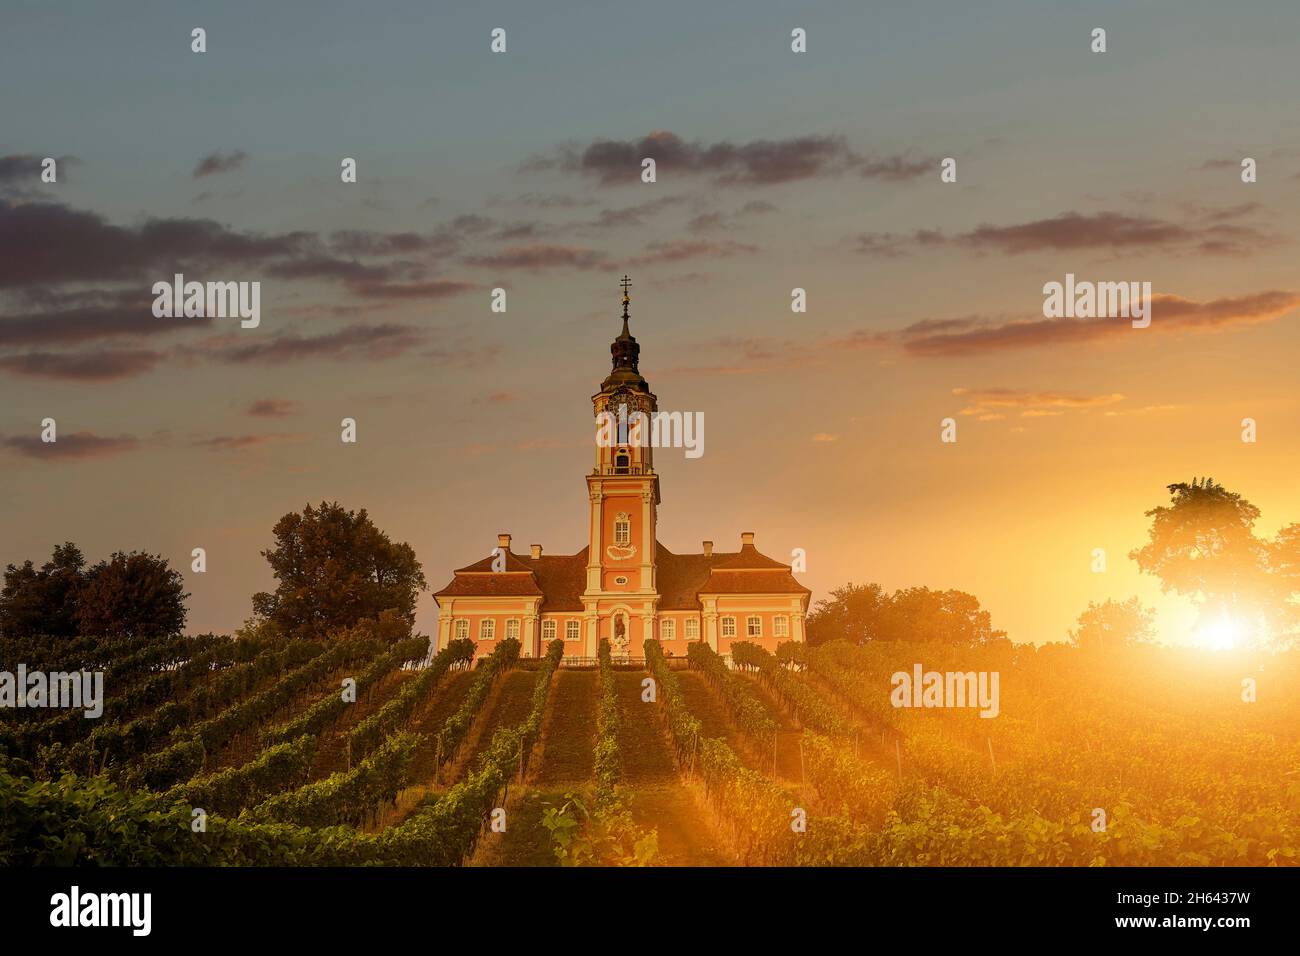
x=1221 y=634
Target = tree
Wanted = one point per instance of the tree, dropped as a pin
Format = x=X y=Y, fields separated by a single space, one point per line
x=43 y=602
x=1203 y=545
x=336 y=568
x=948 y=617
x=132 y=595
x=861 y=613
x=852 y=613
x=1114 y=624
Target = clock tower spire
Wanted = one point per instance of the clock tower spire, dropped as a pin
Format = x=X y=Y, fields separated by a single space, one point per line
x=623 y=488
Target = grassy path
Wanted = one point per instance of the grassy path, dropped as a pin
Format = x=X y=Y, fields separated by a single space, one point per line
x=655 y=791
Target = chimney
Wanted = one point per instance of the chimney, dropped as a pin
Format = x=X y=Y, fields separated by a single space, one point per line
x=536 y=549
x=708 y=549
x=503 y=541
x=746 y=538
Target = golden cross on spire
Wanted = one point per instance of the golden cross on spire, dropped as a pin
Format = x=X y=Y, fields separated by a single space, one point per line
x=626 y=283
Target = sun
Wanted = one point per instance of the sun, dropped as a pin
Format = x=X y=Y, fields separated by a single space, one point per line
x=1221 y=634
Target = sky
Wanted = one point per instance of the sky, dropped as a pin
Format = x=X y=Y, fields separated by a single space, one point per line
x=775 y=170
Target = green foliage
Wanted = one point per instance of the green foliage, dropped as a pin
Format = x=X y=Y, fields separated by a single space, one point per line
x=810 y=707
x=336 y=568
x=748 y=710
x=131 y=595
x=863 y=613
x=456 y=727
x=228 y=791
x=350 y=796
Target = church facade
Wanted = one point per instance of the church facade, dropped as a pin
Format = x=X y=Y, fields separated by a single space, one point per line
x=623 y=586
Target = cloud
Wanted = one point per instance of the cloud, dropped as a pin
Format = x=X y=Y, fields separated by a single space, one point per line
x=240 y=442
x=1169 y=314
x=538 y=256
x=373 y=342
x=101 y=365
x=47 y=244
x=20 y=174
x=433 y=289
x=87 y=315
x=78 y=445
x=991 y=403
x=218 y=162
x=825 y=437
x=683 y=250
x=755 y=163
x=1073 y=231
x=272 y=408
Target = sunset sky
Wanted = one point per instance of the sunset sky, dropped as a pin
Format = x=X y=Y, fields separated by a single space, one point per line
x=775 y=170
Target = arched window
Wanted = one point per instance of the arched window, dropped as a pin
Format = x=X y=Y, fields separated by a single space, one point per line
x=622 y=528
x=621 y=461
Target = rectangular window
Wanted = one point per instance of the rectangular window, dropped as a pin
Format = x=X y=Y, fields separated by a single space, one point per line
x=754 y=626
x=622 y=530
x=668 y=630
x=487 y=629
x=462 y=629
x=512 y=628
x=572 y=630
x=692 y=629
x=728 y=627
x=548 y=630
x=781 y=626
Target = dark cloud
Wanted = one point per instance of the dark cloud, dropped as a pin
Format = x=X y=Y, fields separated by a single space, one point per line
x=78 y=445
x=434 y=289
x=219 y=162
x=1169 y=313
x=374 y=342
x=239 y=442
x=538 y=256
x=1074 y=231
x=88 y=315
x=100 y=365
x=683 y=250
x=20 y=174
x=272 y=408
x=755 y=163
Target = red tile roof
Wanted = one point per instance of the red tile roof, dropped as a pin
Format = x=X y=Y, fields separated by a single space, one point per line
x=561 y=578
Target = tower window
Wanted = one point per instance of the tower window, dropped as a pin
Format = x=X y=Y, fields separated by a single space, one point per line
x=754 y=626
x=487 y=629
x=622 y=529
x=728 y=627
x=548 y=630
x=621 y=460
x=462 y=629
x=571 y=630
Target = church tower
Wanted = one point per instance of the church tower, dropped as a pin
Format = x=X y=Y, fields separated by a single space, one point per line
x=623 y=490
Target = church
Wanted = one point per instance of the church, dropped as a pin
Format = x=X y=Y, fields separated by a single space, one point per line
x=623 y=586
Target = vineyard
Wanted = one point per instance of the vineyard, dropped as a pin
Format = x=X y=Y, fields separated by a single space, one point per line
x=364 y=748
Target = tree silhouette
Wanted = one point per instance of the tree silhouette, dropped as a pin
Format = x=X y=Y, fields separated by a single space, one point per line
x=131 y=595
x=1203 y=545
x=43 y=601
x=335 y=568
x=1113 y=624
